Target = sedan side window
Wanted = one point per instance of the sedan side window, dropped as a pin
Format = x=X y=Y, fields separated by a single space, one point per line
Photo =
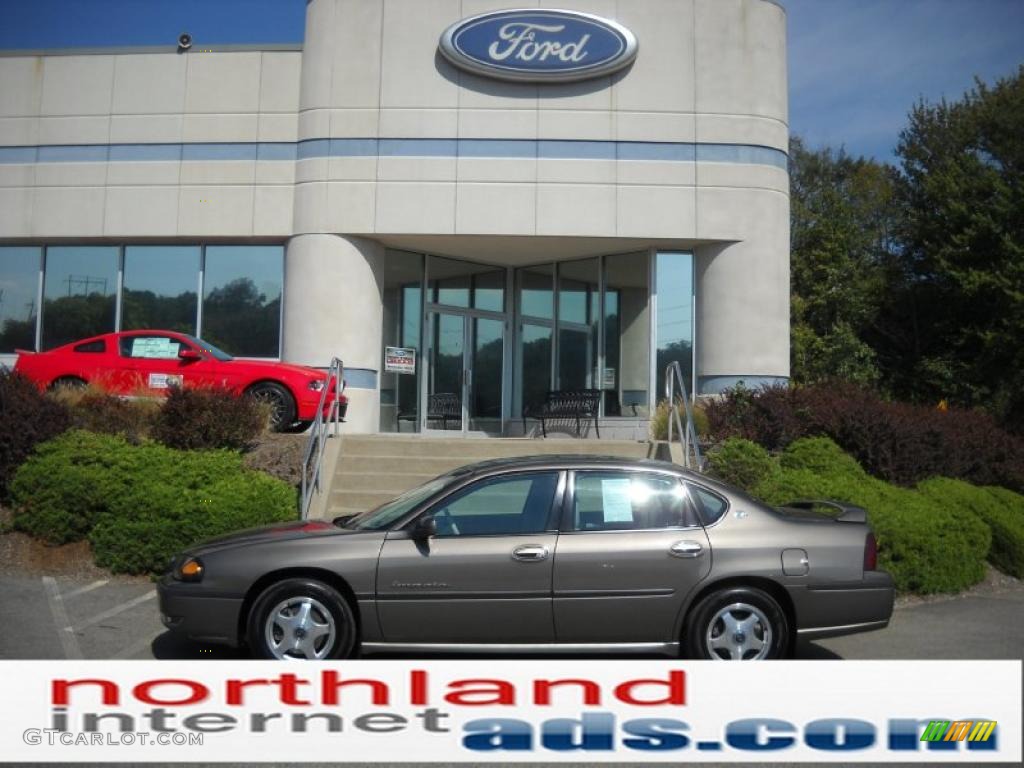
x=517 y=504
x=151 y=347
x=711 y=505
x=628 y=501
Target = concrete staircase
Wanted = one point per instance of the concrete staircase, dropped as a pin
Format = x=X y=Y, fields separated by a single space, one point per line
x=372 y=469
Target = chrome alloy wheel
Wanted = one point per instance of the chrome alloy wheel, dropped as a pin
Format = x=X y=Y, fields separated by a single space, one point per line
x=300 y=628
x=738 y=632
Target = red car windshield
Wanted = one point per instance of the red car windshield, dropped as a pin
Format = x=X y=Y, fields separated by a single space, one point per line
x=218 y=354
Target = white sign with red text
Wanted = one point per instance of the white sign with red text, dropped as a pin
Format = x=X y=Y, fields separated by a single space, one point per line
x=511 y=711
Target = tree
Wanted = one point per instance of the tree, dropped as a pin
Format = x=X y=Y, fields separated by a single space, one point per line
x=962 y=301
x=843 y=217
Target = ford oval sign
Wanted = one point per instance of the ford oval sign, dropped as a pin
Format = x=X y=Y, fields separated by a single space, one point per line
x=538 y=45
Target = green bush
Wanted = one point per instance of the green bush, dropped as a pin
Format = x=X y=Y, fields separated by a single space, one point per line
x=659 y=420
x=139 y=504
x=201 y=419
x=741 y=462
x=1001 y=510
x=27 y=418
x=926 y=547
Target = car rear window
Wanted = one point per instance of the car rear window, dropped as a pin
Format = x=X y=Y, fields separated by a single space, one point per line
x=96 y=345
x=709 y=505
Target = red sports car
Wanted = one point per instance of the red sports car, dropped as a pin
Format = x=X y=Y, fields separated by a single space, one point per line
x=149 y=362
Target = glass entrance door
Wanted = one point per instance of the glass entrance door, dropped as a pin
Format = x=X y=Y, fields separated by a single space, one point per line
x=465 y=373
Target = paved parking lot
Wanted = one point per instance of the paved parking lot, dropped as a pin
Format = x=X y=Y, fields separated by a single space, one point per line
x=117 y=618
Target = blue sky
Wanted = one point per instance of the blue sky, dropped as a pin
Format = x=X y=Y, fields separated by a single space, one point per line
x=856 y=66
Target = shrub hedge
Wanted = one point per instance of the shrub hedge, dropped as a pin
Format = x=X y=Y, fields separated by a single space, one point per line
x=97 y=411
x=205 y=418
x=1001 y=510
x=659 y=420
x=897 y=442
x=742 y=463
x=139 y=504
x=925 y=546
x=27 y=417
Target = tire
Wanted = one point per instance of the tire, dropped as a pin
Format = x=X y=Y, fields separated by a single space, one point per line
x=298 y=427
x=277 y=630
x=280 y=400
x=737 y=623
x=67 y=383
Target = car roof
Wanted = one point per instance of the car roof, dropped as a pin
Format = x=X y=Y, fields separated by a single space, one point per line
x=566 y=461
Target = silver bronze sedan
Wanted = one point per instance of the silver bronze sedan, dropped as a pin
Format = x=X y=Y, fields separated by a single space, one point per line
x=542 y=554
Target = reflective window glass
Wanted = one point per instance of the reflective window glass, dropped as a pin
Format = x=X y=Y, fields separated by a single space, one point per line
x=517 y=504
x=535 y=369
x=629 y=501
x=19 y=289
x=242 y=299
x=401 y=277
x=674 y=326
x=456 y=283
x=626 y=376
x=578 y=296
x=536 y=291
x=160 y=287
x=79 y=290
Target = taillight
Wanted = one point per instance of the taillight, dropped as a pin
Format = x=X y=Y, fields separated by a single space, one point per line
x=870 y=553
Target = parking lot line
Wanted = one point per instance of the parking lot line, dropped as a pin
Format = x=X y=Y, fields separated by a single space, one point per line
x=86 y=588
x=68 y=640
x=120 y=608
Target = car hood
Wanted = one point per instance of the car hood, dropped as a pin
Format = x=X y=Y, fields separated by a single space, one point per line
x=298 y=529
x=269 y=368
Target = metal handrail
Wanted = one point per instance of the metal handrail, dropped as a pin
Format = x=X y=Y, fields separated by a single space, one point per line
x=313 y=460
x=687 y=435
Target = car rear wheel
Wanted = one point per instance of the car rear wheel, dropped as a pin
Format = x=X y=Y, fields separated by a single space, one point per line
x=737 y=624
x=67 y=383
x=301 y=619
x=279 y=400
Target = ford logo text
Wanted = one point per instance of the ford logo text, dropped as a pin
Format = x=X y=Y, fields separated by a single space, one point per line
x=536 y=45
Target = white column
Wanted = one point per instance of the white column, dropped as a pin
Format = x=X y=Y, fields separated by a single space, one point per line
x=333 y=308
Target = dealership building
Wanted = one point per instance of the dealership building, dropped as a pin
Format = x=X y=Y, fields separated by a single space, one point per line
x=468 y=205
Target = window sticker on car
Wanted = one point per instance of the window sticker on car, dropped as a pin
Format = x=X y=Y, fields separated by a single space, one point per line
x=616 y=498
x=159 y=347
x=164 y=380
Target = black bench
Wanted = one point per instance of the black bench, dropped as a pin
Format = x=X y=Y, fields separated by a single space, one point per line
x=444 y=406
x=566 y=403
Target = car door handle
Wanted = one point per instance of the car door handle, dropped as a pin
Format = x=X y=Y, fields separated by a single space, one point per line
x=530 y=553
x=686 y=549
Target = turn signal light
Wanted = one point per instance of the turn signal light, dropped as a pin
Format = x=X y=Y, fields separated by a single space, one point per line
x=870 y=553
x=190 y=570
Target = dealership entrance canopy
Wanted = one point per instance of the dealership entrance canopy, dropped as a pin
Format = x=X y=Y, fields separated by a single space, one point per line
x=470 y=206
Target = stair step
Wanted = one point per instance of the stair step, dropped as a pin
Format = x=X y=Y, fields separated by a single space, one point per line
x=360 y=500
x=473 y=448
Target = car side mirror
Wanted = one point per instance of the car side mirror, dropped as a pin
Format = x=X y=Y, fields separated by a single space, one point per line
x=424 y=527
x=189 y=355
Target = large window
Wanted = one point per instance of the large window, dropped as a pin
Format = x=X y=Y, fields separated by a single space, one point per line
x=160 y=287
x=89 y=290
x=674 y=327
x=79 y=293
x=627 y=336
x=457 y=283
x=578 y=313
x=242 y=299
x=401 y=277
x=19 y=296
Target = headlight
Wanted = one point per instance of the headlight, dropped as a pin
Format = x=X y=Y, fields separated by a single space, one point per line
x=189 y=569
x=316 y=385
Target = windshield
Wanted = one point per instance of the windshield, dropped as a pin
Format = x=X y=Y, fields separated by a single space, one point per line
x=206 y=346
x=386 y=514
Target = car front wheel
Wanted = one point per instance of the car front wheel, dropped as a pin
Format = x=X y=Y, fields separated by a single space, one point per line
x=737 y=624
x=301 y=619
x=278 y=399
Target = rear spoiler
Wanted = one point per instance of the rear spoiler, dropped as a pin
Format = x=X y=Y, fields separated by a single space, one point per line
x=848 y=513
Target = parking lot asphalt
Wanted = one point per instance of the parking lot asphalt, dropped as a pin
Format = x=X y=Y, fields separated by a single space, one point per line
x=116 y=618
